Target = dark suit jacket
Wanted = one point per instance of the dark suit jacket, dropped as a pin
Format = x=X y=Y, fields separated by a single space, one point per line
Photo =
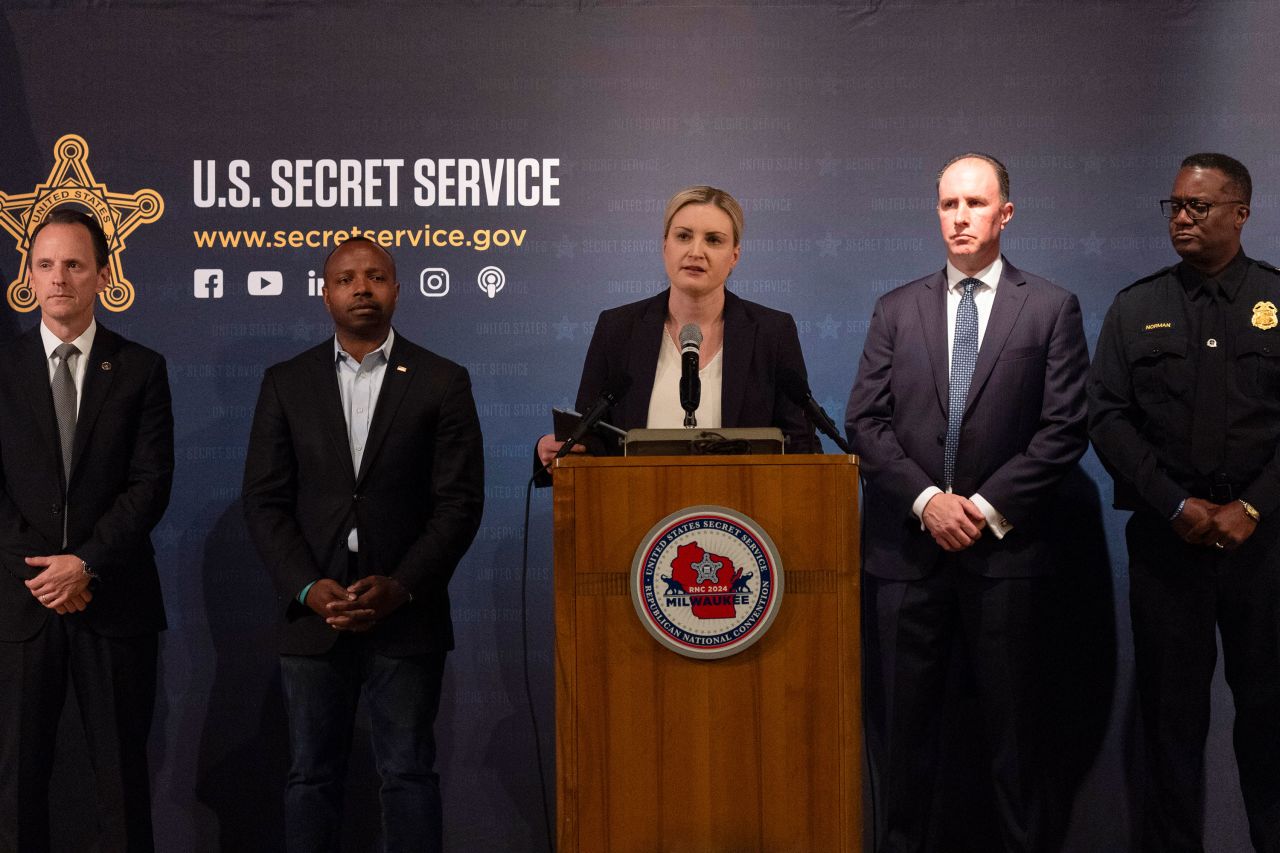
x=760 y=345
x=122 y=469
x=416 y=500
x=1023 y=430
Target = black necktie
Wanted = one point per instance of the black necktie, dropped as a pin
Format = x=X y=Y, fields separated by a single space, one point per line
x=1208 y=433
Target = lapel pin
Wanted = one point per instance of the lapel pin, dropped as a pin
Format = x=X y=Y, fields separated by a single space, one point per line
x=400 y=368
x=106 y=365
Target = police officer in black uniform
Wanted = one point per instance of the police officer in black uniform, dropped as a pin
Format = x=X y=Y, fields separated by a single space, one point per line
x=1184 y=410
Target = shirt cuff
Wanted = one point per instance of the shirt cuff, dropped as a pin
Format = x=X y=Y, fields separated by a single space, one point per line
x=921 y=501
x=996 y=523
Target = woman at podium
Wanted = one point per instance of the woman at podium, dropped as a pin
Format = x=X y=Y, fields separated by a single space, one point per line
x=749 y=365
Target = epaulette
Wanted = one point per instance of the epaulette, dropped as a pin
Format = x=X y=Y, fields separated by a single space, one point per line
x=1151 y=277
x=1266 y=266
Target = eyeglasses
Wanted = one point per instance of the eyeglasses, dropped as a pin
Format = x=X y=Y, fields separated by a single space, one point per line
x=1195 y=208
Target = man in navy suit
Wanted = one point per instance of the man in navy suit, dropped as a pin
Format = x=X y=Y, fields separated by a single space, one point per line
x=86 y=463
x=363 y=488
x=967 y=411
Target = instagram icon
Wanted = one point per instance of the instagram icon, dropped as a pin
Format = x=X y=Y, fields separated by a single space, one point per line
x=434 y=281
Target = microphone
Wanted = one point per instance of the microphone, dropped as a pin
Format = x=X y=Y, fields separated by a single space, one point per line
x=690 y=384
x=796 y=387
x=595 y=414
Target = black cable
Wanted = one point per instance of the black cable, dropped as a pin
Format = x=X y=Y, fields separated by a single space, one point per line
x=862 y=650
x=714 y=444
x=524 y=646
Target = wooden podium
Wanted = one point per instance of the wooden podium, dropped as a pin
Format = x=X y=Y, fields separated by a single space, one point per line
x=661 y=753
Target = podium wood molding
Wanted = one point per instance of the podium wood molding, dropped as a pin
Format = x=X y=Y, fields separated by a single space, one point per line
x=661 y=753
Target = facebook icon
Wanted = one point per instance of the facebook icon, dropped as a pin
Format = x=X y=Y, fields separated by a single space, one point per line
x=207 y=284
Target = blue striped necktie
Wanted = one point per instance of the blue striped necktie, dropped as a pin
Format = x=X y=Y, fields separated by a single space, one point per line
x=964 y=355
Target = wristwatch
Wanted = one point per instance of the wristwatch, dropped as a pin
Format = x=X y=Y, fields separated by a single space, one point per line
x=1250 y=510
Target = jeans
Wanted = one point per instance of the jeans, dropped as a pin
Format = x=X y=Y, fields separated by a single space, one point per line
x=403 y=696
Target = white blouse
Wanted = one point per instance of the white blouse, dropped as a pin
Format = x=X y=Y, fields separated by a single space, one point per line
x=664 y=403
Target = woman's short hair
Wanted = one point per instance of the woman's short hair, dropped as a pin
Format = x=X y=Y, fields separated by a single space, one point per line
x=703 y=194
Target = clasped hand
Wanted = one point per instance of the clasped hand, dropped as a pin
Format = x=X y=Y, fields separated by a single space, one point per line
x=62 y=586
x=1203 y=522
x=954 y=521
x=358 y=607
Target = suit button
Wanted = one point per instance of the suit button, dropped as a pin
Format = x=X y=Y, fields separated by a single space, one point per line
x=56 y=508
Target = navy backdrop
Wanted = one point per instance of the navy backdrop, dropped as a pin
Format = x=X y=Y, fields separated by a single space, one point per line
x=827 y=120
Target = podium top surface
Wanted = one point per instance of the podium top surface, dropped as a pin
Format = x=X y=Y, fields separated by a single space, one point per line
x=584 y=461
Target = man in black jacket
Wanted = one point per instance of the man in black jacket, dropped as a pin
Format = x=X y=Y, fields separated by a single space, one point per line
x=363 y=488
x=86 y=463
x=1184 y=410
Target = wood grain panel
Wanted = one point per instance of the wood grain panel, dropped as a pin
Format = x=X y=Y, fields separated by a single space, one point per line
x=760 y=751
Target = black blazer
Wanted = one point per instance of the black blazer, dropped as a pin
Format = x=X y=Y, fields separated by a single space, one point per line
x=1023 y=429
x=760 y=346
x=122 y=470
x=416 y=500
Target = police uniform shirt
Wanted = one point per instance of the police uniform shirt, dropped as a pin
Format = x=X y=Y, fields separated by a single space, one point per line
x=1181 y=352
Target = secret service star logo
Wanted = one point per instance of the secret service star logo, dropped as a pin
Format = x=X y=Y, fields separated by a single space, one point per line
x=71 y=181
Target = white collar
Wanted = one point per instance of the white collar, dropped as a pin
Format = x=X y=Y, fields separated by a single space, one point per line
x=989 y=276
x=84 y=343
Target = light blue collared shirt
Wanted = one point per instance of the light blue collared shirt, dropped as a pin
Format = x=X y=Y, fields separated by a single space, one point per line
x=359 y=383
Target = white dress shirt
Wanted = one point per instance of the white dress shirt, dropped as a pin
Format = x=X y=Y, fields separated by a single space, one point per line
x=983 y=297
x=78 y=363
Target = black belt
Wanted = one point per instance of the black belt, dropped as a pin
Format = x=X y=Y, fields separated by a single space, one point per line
x=1220 y=490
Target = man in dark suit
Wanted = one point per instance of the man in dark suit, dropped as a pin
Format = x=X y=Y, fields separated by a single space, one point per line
x=363 y=488
x=967 y=411
x=86 y=463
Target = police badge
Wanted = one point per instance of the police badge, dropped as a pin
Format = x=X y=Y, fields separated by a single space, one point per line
x=1264 y=315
